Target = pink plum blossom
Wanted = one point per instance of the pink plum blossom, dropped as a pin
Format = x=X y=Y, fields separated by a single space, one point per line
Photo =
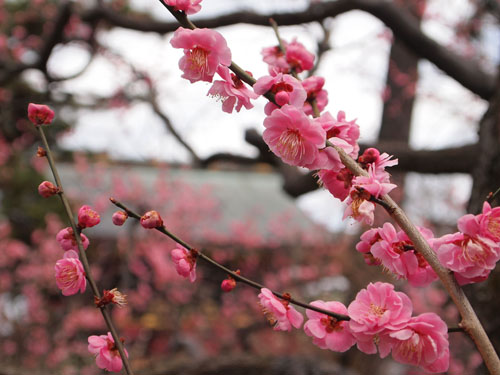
x=328 y=332
x=40 y=114
x=314 y=89
x=298 y=57
x=107 y=355
x=293 y=136
x=276 y=60
x=187 y=6
x=489 y=222
x=67 y=239
x=377 y=310
x=185 y=262
x=204 y=51
x=395 y=251
x=279 y=312
x=338 y=183
x=47 y=189
x=87 y=217
x=372 y=157
x=119 y=218
x=70 y=276
x=151 y=220
x=286 y=90
x=231 y=91
x=423 y=342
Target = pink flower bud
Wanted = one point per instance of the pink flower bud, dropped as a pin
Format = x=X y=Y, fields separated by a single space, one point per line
x=67 y=239
x=282 y=98
x=228 y=285
x=87 y=217
x=151 y=219
x=185 y=262
x=40 y=114
x=119 y=218
x=47 y=189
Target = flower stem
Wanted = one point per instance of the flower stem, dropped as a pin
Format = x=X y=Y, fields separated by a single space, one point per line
x=83 y=256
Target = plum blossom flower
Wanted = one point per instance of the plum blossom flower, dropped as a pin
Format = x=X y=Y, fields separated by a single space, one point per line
x=67 y=239
x=151 y=220
x=395 y=251
x=375 y=312
x=373 y=157
x=489 y=222
x=423 y=342
x=185 y=262
x=40 y=114
x=298 y=57
x=276 y=60
x=314 y=89
x=231 y=91
x=119 y=218
x=70 y=275
x=337 y=183
x=187 y=6
x=204 y=51
x=47 y=189
x=107 y=355
x=279 y=312
x=328 y=332
x=293 y=136
x=87 y=217
x=286 y=90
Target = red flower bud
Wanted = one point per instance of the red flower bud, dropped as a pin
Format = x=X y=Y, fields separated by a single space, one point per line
x=47 y=189
x=119 y=218
x=151 y=219
x=40 y=114
x=87 y=217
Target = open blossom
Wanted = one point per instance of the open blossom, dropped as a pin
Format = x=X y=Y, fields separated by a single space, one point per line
x=314 y=89
x=70 y=275
x=337 y=183
x=40 y=114
x=279 y=312
x=489 y=222
x=298 y=57
x=107 y=355
x=377 y=310
x=395 y=251
x=328 y=332
x=47 y=189
x=185 y=262
x=87 y=217
x=67 y=239
x=286 y=89
x=372 y=157
x=204 y=51
x=151 y=220
x=293 y=136
x=231 y=91
x=276 y=60
x=423 y=342
x=119 y=218
x=471 y=253
x=187 y=6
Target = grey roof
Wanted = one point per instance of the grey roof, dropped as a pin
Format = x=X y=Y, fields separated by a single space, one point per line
x=251 y=201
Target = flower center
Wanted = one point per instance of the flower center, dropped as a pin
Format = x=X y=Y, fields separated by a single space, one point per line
x=291 y=145
x=331 y=324
x=475 y=251
x=198 y=58
x=281 y=86
x=237 y=83
x=494 y=227
x=377 y=310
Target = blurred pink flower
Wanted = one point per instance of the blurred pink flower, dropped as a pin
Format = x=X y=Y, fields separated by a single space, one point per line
x=328 y=332
x=151 y=220
x=67 y=239
x=298 y=57
x=231 y=91
x=423 y=342
x=293 y=136
x=107 y=355
x=279 y=312
x=228 y=285
x=40 y=114
x=376 y=310
x=185 y=262
x=276 y=60
x=204 y=51
x=87 y=217
x=489 y=222
x=187 y=6
x=314 y=89
x=70 y=276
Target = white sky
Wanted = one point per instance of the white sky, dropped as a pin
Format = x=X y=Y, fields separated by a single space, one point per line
x=355 y=69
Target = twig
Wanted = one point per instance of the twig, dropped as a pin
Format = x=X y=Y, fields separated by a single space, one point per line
x=83 y=256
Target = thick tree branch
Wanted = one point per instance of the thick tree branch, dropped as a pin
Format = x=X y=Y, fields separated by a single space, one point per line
x=400 y=21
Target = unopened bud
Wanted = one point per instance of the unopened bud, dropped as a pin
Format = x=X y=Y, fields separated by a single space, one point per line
x=87 y=217
x=119 y=218
x=151 y=219
x=41 y=152
x=40 y=114
x=47 y=189
x=228 y=284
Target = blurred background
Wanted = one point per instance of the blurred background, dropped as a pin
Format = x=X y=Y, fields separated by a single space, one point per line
x=419 y=76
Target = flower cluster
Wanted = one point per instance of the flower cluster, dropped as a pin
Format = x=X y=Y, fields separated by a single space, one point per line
x=395 y=251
